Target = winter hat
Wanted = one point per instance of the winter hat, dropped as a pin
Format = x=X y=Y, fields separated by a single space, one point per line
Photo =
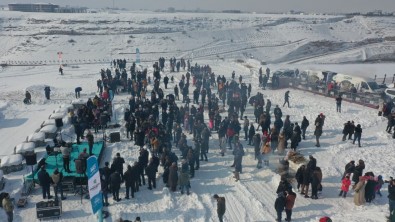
x=215 y=196
x=325 y=219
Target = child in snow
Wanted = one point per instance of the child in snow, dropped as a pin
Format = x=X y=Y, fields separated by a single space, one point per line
x=380 y=183
x=346 y=182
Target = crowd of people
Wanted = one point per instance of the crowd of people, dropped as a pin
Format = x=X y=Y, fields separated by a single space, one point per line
x=159 y=123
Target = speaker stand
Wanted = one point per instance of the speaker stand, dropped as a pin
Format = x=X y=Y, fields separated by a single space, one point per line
x=34 y=184
x=81 y=190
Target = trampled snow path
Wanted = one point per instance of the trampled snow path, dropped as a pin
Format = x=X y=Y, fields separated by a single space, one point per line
x=250 y=199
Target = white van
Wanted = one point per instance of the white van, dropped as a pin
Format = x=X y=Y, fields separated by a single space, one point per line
x=365 y=85
x=390 y=92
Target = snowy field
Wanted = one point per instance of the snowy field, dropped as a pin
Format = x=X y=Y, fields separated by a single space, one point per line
x=206 y=37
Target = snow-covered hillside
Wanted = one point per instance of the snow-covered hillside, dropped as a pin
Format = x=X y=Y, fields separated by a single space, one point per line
x=270 y=38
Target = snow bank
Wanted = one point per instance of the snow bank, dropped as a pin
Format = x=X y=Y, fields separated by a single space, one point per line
x=62 y=110
x=48 y=122
x=57 y=116
x=11 y=160
x=79 y=102
x=23 y=147
x=36 y=137
x=49 y=129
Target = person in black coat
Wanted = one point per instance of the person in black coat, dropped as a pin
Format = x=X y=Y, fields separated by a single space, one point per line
x=283 y=186
x=349 y=168
x=45 y=182
x=299 y=175
x=391 y=194
x=358 y=170
x=135 y=174
x=141 y=164
x=116 y=180
x=77 y=91
x=251 y=133
x=357 y=135
x=47 y=91
x=117 y=165
x=279 y=205
x=151 y=170
x=305 y=124
x=129 y=181
x=369 y=188
x=104 y=182
x=139 y=138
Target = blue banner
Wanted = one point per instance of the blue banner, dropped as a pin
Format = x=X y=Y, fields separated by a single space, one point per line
x=94 y=184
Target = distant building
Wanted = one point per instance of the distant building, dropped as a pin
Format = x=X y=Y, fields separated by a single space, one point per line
x=231 y=11
x=36 y=7
x=171 y=10
x=71 y=10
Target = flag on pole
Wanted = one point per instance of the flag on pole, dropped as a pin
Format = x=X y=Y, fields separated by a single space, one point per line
x=137 y=55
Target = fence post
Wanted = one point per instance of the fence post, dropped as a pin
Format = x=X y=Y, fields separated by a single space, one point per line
x=385 y=76
x=393 y=78
x=375 y=76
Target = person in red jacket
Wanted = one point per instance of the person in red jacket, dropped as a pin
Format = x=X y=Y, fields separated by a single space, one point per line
x=346 y=182
x=289 y=204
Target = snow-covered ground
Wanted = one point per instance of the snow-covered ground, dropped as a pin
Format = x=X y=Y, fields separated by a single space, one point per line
x=208 y=37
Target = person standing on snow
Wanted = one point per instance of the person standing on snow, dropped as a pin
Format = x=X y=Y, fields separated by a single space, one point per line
x=391 y=195
x=346 y=182
x=289 y=203
x=286 y=98
x=245 y=127
x=339 y=104
x=349 y=168
x=303 y=127
x=47 y=91
x=279 y=205
x=238 y=152
x=357 y=135
x=61 y=70
x=28 y=98
x=319 y=122
x=221 y=206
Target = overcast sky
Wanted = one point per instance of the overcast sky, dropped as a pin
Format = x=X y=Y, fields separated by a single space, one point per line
x=244 y=5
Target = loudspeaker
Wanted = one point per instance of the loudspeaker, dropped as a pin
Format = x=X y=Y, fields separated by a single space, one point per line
x=115 y=137
x=31 y=159
x=59 y=122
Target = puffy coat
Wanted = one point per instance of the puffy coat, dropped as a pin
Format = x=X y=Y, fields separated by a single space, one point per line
x=221 y=207
x=290 y=201
x=183 y=179
x=359 y=196
x=346 y=184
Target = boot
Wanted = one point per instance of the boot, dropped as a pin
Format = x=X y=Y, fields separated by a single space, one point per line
x=237 y=176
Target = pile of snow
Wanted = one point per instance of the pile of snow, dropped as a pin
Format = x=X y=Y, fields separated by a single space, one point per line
x=79 y=102
x=36 y=137
x=24 y=147
x=11 y=160
x=48 y=122
x=57 y=115
x=49 y=129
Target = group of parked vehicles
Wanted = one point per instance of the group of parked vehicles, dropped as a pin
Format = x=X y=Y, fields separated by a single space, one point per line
x=343 y=82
